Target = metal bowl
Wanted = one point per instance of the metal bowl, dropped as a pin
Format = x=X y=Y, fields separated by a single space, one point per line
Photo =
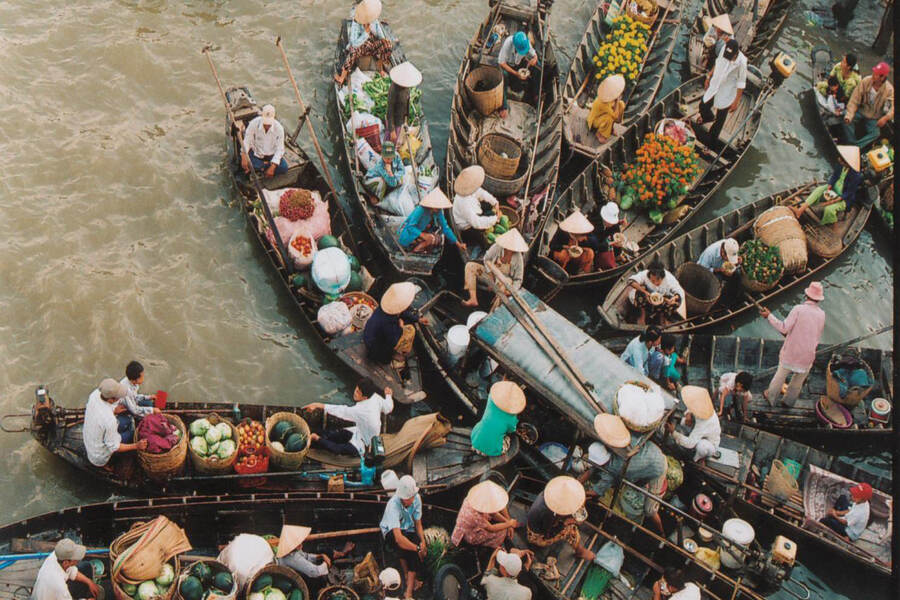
x=656 y=298
x=580 y=515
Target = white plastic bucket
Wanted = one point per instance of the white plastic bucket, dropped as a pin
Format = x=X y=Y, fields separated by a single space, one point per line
x=457 y=340
x=739 y=532
x=389 y=480
x=474 y=318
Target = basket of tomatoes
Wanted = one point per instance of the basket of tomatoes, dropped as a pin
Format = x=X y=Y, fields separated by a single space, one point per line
x=253 y=456
x=761 y=266
x=302 y=250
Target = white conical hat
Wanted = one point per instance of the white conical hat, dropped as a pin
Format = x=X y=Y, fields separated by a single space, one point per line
x=612 y=430
x=291 y=537
x=487 y=497
x=436 y=199
x=611 y=88
x=722 y=23
x=697 y=400
x=469 y=180
x=398 y=297
x=576 y=223
x=508 y=397
x=512 y=240
x=564 y=495
x=850 y=154
x=367 y=11
x=406 y=75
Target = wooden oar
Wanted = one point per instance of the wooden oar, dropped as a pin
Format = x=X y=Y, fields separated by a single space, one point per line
x=537 y=133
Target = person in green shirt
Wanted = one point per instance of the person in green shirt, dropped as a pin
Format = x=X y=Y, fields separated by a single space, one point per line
x=490 y=437
x=847 y=73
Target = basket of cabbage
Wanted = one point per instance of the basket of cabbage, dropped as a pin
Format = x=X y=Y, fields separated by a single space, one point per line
x=213 y=445
x=159 y=588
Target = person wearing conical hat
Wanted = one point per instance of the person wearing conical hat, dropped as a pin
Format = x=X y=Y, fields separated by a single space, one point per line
x=706 y=433
x=389 y=333
x=840 y=194
x=404 y=77
x=483 y=519
x=571 y=244
x=385 y=176
x=365 y=37
x=551 y=516
x=871 y=105
x=608 y=248
x=467 y=211
x=426 y=226
x=607 y=107
x=518 y=60
x=719 y=32
x=725 y=84
x=506 y=254
x=490 y=436
x=290 y=553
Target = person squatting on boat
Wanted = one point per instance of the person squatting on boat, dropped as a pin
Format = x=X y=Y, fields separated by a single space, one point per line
x=846 y=74
x=426 y=226
x=724 y=85
x=366 y=37
x=572 y=244
x=483 y=518
x=102 y=438
x=850 y=516
x=607 y=108
x=401 y=527
x=717 y=254
x=609 y=238
x=490 y=436
x=467 y=211
x=389 y=333
x=507 y=255
x=871 y=105
x=518 y=60
x=673 y=586
x=706 y=432
x=65 y=574
x=840 y=194
x=637 y=352
x=500 y=576
x=386 y=175
x=313 y=567
x=656 y=294
x=734 y=394
x=551 y=516
x=365 y=414
x=263 y=148
x=662 y=365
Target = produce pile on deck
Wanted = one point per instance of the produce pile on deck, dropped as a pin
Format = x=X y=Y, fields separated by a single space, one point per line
x=622 y=50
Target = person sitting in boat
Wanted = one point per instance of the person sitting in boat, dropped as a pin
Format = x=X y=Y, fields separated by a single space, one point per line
x=136 y=403
x=719 y=32
x=662 y=366
x=507 y=256
x=64 y=574
x=551 y=516
x=365 y=37
x=290 y=554
x=390 y=583
x=401 y=528
x=102 y=438
x=426 y=226
x=483 y=519
x=846 y=73
x=404 y=77
x=263 y=147
x=872 y=105
x=386 y=175
x=674 y=586
x=850 y=516
x=706 y=432
x=517 y=59
x=365 y=414
x=717 y=254
x=637 y=352
x=609 y=249
x=499 y=579
x=840 y=193
x=655 y=280
x=389 y=333
x=830 y=95
x=724 y=84
x=607 y=108
x=467 y=211
x=572 y=244
x=490 y=436
x=734 y=394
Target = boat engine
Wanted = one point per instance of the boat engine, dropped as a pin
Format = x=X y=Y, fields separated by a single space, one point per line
x=772 y=569
x=43 y=419
x=782 y=66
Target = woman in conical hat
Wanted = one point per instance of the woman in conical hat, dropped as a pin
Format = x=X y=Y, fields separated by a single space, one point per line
x=365 y=37
x=507 y=256
x=404 y=77
x=467 y=201
x=290 y=553
x=550 y=517
x=573 y=244
x=483 y=519
x=830 y=201
x=426 y=227
x=706 y=432
x=490 y=436
x=607 y=108
x=389 y=333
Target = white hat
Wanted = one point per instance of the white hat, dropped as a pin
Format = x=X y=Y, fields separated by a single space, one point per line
x=598 y=454
x=367 y=11
x=576 y=224
x=268 y=114
x=66 y=549
x=512 y=563
x=487 y=497
x=722 y=23
x=398 y=297
x=612 y=430
x=436 y=199
x=406 y=75
x=407 y=488
x=291 y=537
x=611 y=88
x=697 y=400
x=610 y=213
x=731 y=250
x=512 y=240
x=469 y=180
x=508 y=397
x=390 y=579
x=110 y=388
x=850 y=154
x=564 y=495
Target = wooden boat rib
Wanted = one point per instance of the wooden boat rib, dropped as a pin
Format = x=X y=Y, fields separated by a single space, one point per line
x=736 y=224
x=303 y=173
x=578 y=94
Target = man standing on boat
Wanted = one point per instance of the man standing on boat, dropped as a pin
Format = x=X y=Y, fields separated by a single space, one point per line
x=872 y=103
x=516 y=58
x=63 y=574
x=802 y=330
x=264 y=145
x=724 y=85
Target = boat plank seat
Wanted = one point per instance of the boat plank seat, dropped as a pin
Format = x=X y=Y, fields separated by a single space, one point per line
x=736 y=119
x=351 y=345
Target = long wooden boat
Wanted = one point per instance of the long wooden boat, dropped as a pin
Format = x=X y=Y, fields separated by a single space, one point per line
x=303 y=173
x=590 y=190
x=581 y=84
x=381 y=225
x=755 y=24
x=536 y=129
x=737 y=224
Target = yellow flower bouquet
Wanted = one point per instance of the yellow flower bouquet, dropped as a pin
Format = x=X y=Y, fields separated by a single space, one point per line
x=622 y=50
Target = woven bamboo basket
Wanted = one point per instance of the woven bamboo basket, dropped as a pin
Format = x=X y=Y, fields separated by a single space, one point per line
x=490 y=98
x=628 y=423
x=637 y=16
x=337 y=591
x=117 y=547
x=216 y=567
x=779 y=485
x=287 y=460
x=210 y=466
x=279 y=571
x=511 y=214
x=779 y=227
x=490 y=158
x=167 y=464
x=822 y=241
x=701 y=288
x=855 y=394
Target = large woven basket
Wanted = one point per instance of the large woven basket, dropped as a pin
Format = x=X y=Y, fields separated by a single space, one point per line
x=489 y=99
x=286 y=460
x=490 y=158
x=216 y=566
x=855 y=394
x=277 y=570
x=167 y=464
x=337 y=591
x=120 y=545
x=823 y=241
x=630 y=424
x=647 y=20
x=779 y=485
x=778 y=226
x=758 y=286
x=210 y=466
x=701 y=288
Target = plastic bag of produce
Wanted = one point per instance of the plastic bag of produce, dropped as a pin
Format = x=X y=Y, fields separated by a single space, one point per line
x=302 y=250
x=334 y=317
x=357 y=80
x=361 y=120
x=428 y=178
x=331 y=270
x=367 y=157
x=402 y=200
x=319 y=224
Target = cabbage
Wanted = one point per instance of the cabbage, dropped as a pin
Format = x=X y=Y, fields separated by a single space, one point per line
x=198 y=445
x=256 y=596
x=275 y=594
x=200 y=427
x=147 y=590
x=129 y=588
x=212 y=448
x=226 y=449
x=225 y=430
x=212 y=435
x=167 y=576
x=277 y=446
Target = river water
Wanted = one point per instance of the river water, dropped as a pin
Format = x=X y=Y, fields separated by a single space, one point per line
x=120 y=238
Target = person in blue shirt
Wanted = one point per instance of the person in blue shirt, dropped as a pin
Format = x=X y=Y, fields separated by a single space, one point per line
x=717 y=254
x=844 y=183
x=365 y=37
x=386 y=174
x=637 y=352
x=426 y=227
x=401 y=527
x=516 y=54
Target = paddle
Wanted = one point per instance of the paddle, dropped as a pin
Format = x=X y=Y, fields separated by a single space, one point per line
x=537 y=133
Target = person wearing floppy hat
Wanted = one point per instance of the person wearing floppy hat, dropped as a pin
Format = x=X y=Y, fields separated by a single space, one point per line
x=871 y=105
x=516 y=55
x=499 y=579
x=467 y=211
x=483 y=519
x=725 y=84
x=840 y=194
x=490 y=436
x=719 y=32
x=706 y=432
x=389 y=333
x=404 y=77
x=365 y=414
x=608 y=249
x=802 y=330
x=65 y=574
x=386 y=175
x=607 y=108
x=263 y=147
x=365 y=37
x=426 y=226
x=506 y=254
x=101 y=434
x=717 y=254
x=290 y=553
x=390 y=583
x=550 y=517
x=572 y=244
x=401 y=527
x=850 y=516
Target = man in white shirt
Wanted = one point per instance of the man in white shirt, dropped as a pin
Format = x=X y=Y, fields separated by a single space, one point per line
x=264 y=144
x=505 y=586
x=724 y=86
x=59 y=574
x=706 y=433
x=134 y=403
x=101 y=428
x=467 y=213
x=849 y=519
x=672 y=585
x=365 y=414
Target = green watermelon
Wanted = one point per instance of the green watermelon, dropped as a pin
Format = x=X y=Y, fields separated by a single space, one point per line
x=261 y=583
x=280 y=431
x=355 y=284
x=299 y=280
x=191 y=588
x=328 y=241
x=283 y=583
x=295 y=442
x=296 y=595
x=354 y=263
x=202 y=572
x=223 y=581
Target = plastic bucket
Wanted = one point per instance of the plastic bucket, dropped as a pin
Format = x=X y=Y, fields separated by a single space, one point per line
x=793 y=467
x=739 y=532
x=474 y=318
x=161 y=398
x=457 y=340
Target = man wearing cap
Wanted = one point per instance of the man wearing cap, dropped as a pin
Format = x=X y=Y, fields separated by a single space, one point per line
x=404 y=77
x=483 y=519
x=389 y=333
x=365 y=414
x=63 y=576
x=506 y=255
x=724 y=85
x=264 y=144
x=717 y=254
x=850 y=518
x=390 y=582
x=872 y=104
x=290 y=553
x=504 y=585
x=802 y=330
x=516 y=58
x=401 y=527
x=386 y=175
x=101 y=428
x=571 y=243
x=607 y=108
x=426 y=226
x=365 y=37
x=706 y=433
x=841 y=191
x=608 y=248
x=490 y=436
x=719 y=32
x=550 y=517
x=467 y=213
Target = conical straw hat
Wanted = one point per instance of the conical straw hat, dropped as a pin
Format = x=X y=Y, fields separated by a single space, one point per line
x=512 y=240
x=611 y=88
x=406 y=75
x=508 y=397
x=576 y=223
x=722 y=23
x=564 y=495
x=487 y=497
x=469 y=180
x=850 y=154
x=291 y=537
x=697 y=400
x=611 y=430
x=436 y=199
x=367 y=11
x=398 y=297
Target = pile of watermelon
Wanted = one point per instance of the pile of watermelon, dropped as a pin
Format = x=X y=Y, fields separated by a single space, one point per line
x=274 y=587
x=285 y=437
x=205 y=581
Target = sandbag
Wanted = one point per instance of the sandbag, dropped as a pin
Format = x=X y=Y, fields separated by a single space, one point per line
x=333 y=317
x=779 y=227
x=245 y=555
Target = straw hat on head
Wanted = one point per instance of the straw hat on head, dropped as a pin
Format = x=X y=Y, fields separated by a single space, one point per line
x=406 y=75
x=814 y=291
x=487 y=497
x=576 y=224
x=367 y=11
x=398 y=297
x=508 y=397
x=850 y=154
x=512 y=240
x=722 y=23
x=564 y=495
x=611 y=430
x=469 y=180
x=697 y=400
x=436 y=199
x=291 y=537
x=611 y=88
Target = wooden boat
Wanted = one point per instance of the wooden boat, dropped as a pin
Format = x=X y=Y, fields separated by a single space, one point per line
x=581 y=84
x=211 y=521
x=303 y=173
x=439 y=461
x=738 y=225
x=591 y=189
x=755 y=24
x=382 y=226
x=535 y=129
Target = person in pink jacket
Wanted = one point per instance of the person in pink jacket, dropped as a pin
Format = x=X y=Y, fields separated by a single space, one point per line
x=802 y=330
